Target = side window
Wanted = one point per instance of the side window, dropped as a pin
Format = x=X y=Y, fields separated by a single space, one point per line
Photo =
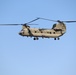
x=35 y=31
x=50 y=32
x=53 y=32
x=47 y=32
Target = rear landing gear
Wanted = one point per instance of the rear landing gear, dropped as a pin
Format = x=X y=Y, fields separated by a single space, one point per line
x=57 y=38
x=54 y=38
x=35 y=38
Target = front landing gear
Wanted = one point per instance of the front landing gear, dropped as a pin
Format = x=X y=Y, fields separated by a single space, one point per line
x=35 y=38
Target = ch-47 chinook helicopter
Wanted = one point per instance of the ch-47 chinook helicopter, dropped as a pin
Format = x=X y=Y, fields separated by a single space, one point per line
x=55 y=32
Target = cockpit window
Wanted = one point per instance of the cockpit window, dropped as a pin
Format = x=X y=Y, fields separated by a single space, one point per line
x=22 y=30
x=54 y=26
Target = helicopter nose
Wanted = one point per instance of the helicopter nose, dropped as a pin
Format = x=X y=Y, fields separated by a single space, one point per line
x=20 y=33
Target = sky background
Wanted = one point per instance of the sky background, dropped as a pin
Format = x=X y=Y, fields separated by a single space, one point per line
x=24 y=56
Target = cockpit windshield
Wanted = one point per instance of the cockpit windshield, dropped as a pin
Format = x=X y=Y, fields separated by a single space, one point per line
x=54 y=26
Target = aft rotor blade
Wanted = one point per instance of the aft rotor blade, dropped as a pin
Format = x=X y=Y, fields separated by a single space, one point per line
x=32 y=21
x=47 y=19
x=58 y=20
x=69 y=21
x=32 y=24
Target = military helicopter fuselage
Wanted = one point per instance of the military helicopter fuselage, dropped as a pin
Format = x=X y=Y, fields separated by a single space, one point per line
x=55 y=32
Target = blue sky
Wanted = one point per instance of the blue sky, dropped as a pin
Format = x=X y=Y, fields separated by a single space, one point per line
x=24 y=56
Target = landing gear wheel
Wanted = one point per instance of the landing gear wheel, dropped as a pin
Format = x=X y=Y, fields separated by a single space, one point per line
x=35 y=38
x=58 y=38
x=54 y=38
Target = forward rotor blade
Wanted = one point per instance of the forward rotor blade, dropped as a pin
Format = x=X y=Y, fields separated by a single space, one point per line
x=47 y=19
x=15 y=24
x=32 y=21
x=10 y=24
